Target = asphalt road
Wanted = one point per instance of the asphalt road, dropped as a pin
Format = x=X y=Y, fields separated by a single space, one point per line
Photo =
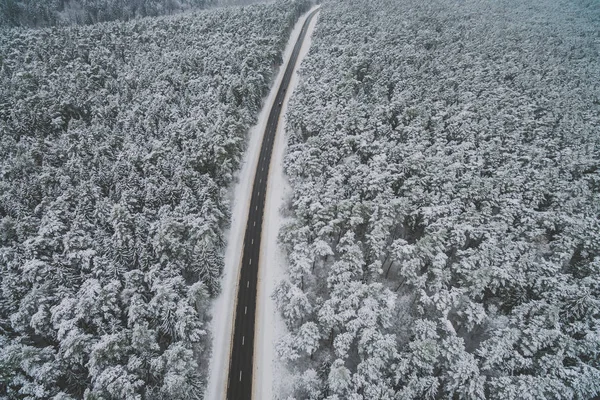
x=239 y=385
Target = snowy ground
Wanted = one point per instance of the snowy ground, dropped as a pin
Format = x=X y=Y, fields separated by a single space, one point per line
x=269 y=373
x=269 y=326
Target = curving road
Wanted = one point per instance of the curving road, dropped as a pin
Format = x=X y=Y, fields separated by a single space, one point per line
x=239 y=385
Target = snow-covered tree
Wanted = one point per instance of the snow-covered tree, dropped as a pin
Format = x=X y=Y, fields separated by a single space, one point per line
x=443 y=156
x=118 y=144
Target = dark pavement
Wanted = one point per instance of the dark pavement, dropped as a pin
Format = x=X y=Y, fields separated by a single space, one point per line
x=239 y=385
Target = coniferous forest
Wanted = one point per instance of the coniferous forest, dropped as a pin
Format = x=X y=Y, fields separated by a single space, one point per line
x=39 y=13
x=444 y=228
x=118 y=144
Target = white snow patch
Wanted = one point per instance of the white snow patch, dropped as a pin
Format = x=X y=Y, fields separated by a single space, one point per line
x=223 y=307
x=270 y=374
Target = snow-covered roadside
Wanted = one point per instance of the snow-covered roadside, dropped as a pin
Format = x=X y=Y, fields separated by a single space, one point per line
x=223 y=307
x=269 y=373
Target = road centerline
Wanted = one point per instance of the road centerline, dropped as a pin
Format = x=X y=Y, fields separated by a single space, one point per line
x=244 y=324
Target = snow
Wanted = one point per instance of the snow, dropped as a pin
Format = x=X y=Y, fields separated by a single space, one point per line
x=270 y=373
x=223 y=307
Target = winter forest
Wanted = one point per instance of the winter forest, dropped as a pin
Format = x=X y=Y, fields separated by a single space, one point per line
x=118 y=143
x=443 y=234
x=38 y=13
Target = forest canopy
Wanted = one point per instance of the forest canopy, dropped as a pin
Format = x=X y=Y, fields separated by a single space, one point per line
x=118 y=145
x=444 y=235
x=39 y=13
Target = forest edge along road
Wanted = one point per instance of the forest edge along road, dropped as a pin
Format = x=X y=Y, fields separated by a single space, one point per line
x=239 y=385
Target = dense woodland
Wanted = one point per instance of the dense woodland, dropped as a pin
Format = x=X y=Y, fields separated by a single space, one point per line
x=118 y=143
x=443 y=234
x=38 y=13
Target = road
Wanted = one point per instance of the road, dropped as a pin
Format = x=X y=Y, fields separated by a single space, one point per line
x=239 y=385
